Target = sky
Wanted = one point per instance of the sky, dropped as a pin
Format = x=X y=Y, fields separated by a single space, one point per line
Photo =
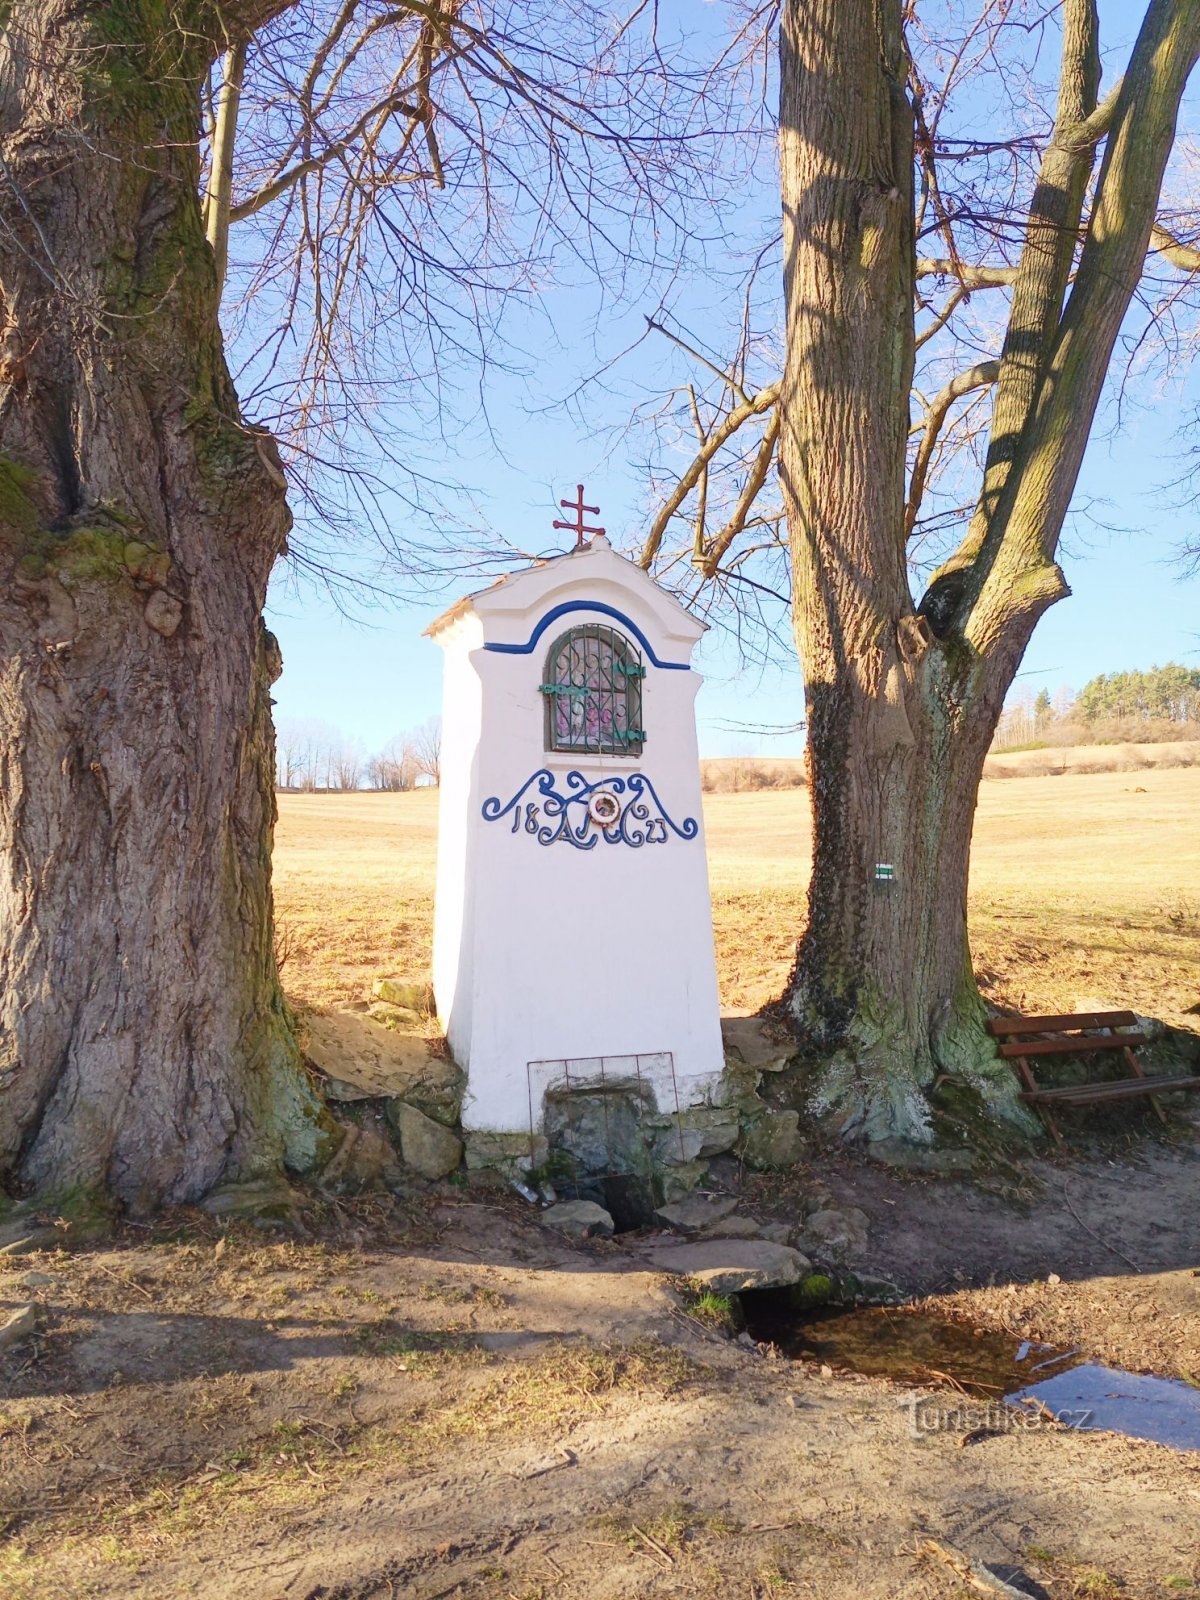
x=376 y=676
x=368 y=671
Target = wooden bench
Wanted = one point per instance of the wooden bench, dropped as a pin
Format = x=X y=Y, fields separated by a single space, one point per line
x=1088 y=1033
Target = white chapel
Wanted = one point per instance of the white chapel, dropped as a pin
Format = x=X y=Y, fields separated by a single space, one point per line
x=573 y=942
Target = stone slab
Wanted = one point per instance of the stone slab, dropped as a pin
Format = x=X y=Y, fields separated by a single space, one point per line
x=18 y=1325
x=757 y=1043
x=732 y=1266
x=578 y=1219
x=695 y=1212
x=364 y=1060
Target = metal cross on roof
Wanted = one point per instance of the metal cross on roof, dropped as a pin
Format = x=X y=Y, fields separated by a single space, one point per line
x=578 y=507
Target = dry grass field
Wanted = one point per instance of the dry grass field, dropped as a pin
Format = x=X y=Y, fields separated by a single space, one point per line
x=1085 y=886
x=428 y=1393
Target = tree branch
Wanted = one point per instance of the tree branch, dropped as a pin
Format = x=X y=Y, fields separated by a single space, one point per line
x=1021 y=577
x=286 y=180
x=755 y=479
x=220 y=178
x=1184 y=256
x=1051 y=236
x=980 y=376
x=753 y=407
x=1094 y=127
x=971 y=277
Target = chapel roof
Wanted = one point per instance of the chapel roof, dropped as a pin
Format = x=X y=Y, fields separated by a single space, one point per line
x=594 y=546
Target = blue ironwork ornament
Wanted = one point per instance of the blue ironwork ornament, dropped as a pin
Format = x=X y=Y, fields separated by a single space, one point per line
x=571 y=817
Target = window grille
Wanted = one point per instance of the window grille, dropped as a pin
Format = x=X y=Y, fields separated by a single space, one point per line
x=593 y=693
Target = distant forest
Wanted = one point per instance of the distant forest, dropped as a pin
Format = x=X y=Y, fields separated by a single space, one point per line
x=1158 y=705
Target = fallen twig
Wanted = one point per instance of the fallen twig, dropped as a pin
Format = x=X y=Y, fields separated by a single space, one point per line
x=654 y=1544
x=1099 y=1238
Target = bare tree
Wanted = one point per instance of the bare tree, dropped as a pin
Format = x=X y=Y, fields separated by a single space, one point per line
x=290 y=754
x=426 y=745
x=904 y=688
x=395 y=767
x=383 y=177
x=345 y=765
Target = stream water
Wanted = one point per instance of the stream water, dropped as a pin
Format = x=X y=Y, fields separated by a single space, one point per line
x=913 y=1348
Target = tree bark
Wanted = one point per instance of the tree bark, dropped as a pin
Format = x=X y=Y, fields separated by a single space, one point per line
x=145 y=1049
x=903 y=700
x=882 y=982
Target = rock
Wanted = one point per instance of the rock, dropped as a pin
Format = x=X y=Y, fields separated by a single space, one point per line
x=365 y=1159
x=261 y=1200
x=399 y=1018
x=772 y=1139
x=776 y=1232
x=601 y=1127
x=734 y=1228
x=910 y=1157
x=731 y=1266
x=676 y=1182
x=18 y=1325
x=873 y=1291
x=579 y=1219
x=737 y=1091
x=748 y=1228
x=483 y=1179
x=834 y=1233
x=38 y=1280
x=676 y=1147
x=26 y=1241
x=416 y=997
x=757 y=1043
x=364 y=1060
x=427 y=1147
x=696 y=1211
x=507 y=1152
x=696 y=1133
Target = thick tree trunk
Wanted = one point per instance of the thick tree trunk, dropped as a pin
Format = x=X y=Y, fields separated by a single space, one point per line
x=898 y=722
x=903 y=701
x=145 y=1050
x=883 y=989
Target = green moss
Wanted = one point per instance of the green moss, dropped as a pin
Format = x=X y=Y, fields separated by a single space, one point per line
x=17 y=507
x=293 y=1110
x=80 y=555
x=86 y=1210
x=145 y=561
x=92 y=554
x=144 y=57
x=814 y=1290
x=223 y=449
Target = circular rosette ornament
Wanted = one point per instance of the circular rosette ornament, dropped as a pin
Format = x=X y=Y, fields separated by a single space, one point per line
x=604 y=808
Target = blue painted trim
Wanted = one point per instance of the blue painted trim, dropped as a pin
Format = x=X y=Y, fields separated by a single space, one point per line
x=553 y=615
x=549 y=817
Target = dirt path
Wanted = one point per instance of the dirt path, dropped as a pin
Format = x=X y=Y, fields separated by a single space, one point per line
x=444 y=1399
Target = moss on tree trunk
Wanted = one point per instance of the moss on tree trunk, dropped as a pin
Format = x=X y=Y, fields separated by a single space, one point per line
x=145 y=1048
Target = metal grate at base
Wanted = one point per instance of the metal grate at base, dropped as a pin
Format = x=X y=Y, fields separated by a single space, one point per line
x=609 y=1134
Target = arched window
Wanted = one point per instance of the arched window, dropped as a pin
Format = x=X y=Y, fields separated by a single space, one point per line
x=593 y=692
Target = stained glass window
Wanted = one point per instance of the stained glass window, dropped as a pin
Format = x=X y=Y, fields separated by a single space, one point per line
x=593 y=693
